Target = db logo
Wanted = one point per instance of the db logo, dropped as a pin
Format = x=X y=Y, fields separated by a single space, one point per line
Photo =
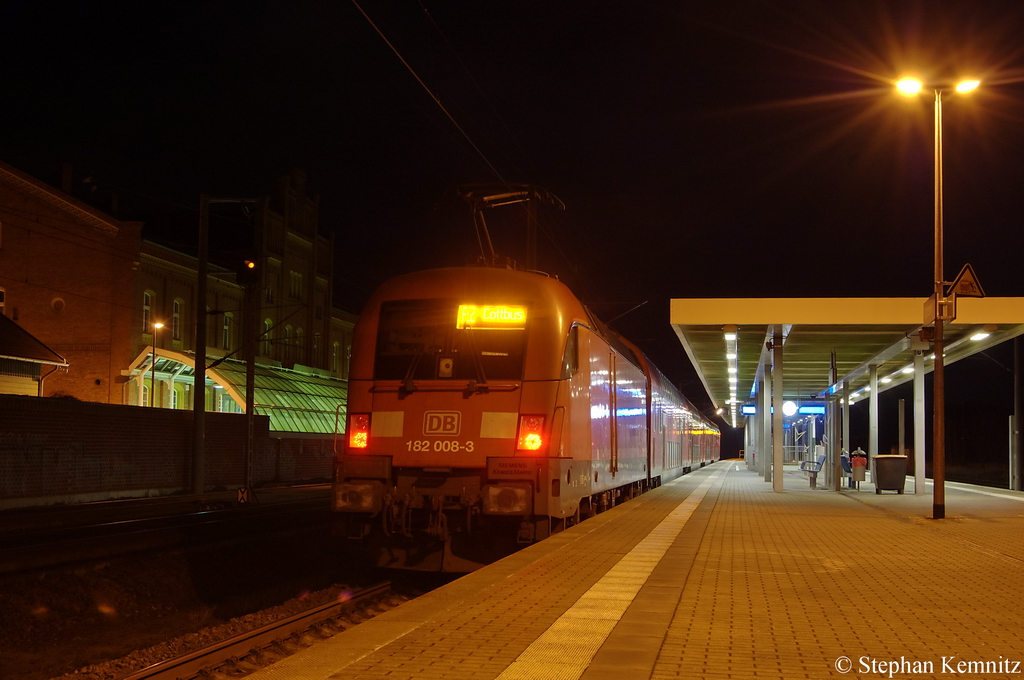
x=442 y=422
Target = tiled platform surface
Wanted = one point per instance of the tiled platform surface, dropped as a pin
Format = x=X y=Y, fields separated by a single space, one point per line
x=716 y=576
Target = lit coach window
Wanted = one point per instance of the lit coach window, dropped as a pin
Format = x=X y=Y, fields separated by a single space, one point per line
x=491 y=316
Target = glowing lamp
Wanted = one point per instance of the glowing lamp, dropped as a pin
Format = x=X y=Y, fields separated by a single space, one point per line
x=359 y=430
x=531 y=433
x=909 y=86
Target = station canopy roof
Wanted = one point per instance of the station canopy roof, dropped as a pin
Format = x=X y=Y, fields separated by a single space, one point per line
x=720 y=334
x=17 y=344
x=296 y=401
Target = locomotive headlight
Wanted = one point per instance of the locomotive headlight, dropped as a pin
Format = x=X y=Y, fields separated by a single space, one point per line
x=507 y=499
x=531 y=433
x=359 y=497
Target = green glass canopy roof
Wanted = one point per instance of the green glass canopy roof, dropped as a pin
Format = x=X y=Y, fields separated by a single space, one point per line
x=296 y=401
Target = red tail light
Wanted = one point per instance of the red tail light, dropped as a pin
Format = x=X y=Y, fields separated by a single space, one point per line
x=358 y=430
x=531 y=433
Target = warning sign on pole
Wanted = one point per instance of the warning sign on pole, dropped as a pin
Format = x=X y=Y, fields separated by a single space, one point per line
x=966 y=284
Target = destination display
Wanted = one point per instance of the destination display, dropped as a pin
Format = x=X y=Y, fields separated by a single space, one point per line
x=490 y=317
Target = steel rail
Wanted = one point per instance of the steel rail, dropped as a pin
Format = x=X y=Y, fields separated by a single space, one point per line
x=49 y=548
x=191 y=664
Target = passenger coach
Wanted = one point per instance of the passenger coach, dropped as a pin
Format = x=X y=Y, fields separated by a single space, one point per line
x=488 y=408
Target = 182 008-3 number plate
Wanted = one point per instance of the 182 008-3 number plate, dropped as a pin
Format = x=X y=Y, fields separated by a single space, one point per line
x=439 y=445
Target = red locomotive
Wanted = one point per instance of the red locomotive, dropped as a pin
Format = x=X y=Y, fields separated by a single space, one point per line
x=489 y=408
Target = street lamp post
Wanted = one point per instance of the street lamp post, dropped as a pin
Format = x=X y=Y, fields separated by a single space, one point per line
x=910 y=87
x=152 y=372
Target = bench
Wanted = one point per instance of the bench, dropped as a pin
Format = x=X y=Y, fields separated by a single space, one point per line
x=848 y=471
x=812 y=469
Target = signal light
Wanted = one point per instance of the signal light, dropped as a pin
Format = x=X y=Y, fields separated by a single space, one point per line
x=531 y=433
x=249 y=271
x=358 y=430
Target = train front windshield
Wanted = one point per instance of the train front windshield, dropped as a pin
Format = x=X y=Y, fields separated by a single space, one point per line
x=450 y=340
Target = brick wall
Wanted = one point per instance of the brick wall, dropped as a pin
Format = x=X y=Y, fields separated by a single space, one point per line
x=69 y=284
x=66 y=451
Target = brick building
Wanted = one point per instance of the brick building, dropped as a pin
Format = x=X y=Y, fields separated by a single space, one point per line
x=122 y=311
x=66 y=272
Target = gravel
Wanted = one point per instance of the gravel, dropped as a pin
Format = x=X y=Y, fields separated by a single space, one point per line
x=107 y=619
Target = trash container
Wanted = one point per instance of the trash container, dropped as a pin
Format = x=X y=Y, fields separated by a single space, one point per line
x=858 y=464
x=890 y=473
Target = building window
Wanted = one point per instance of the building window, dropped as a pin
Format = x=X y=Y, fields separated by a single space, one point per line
x=176 y=320
x=300 y=346
x=174 y=398
x=335 y=357
x=3 y=297
x=315 y=358
x=144 y=400
x=226 y=332
x=296 y=284
x=147 y=309
x=286 y=350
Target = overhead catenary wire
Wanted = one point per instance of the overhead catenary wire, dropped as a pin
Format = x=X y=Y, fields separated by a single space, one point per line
x=586 y=283
x=476 y=84
x=430 y=92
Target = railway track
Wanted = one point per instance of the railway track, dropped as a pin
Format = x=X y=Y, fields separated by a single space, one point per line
x=106 y=538
x=245 y=644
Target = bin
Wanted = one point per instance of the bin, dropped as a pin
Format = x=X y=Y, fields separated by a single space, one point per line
x=858 y=465
x=890 y=473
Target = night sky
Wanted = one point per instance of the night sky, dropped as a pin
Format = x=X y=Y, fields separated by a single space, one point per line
x=700 y=149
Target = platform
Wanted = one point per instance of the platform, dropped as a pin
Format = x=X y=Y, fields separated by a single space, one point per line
x=716 y=576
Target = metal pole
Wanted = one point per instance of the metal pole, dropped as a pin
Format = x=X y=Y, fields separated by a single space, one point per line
x=199 y=382
x=152 y=372
x=939 y=377
x=766 y=424
x=847 y=444
x=873 y=412
x=919 y=424
x=252 y=310
x=832 y=429
x=902 y=428
x=833 y=433
x=777 y=397
x=1017 y=446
